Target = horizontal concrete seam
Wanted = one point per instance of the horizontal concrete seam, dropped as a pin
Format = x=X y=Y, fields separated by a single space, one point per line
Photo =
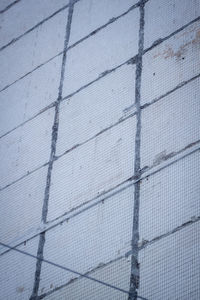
x=171 y=156
x=60 y=10
x=50 y=225
x=104 y=196
x=159 y=41
x=67 y=269
x=122 y=119
x=108 y=194
x=103 y=74
x=112 y=20
x=183 y=83
x=194 y=148
x=60 y=53
x=9 y=6
x=90 y=203
x=15 y=245
x=23 y=176
x=191 y=221
x=148 y=49
x=101 y=266
x=180 y=85
x=30 y=72
x=34 y=27
x=30 y=119
x=129 y=61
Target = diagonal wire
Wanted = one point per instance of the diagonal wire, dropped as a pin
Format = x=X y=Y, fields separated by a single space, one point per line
x=69 y=270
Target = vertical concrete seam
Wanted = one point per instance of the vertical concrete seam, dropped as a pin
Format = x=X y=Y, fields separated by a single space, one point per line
x=56 y=117
x=9 y=6
x=134 y=278
x=55 y=126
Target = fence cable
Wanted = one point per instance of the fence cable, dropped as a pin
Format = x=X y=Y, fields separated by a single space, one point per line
x=69 y=270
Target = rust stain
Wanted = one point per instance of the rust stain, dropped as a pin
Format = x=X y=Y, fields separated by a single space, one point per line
x=187 y=31
x=191 y=145
x=169 y=52
x=197 y=36
x=20 y=289
x=162 y=157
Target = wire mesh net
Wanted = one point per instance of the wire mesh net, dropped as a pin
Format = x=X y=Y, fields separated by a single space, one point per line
x=99 y=185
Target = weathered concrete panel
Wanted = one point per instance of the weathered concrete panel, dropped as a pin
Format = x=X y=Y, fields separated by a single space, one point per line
x=15 y=23
x=106 y=49
x=21 y=206
x=27 y=97
x=26 y=148
x=17 y=272
x=92 y=168
x=171 y=124
x=171 y=197
x=35 y=50
x=89 y=198
x=164 y=17
x=172 y=62
x=95 y=108
x=91 y=14
x=169 y=269
x=116 y=273
x=89 y=240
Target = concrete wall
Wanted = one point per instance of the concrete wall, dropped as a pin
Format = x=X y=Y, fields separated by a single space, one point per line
x=100 y=149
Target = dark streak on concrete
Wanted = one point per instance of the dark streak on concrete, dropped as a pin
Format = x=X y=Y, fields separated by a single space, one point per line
x=34 y=295
x=9 y=6
x=193 y=220
x=163 y=156
x=167 y=156
x=134 y=278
